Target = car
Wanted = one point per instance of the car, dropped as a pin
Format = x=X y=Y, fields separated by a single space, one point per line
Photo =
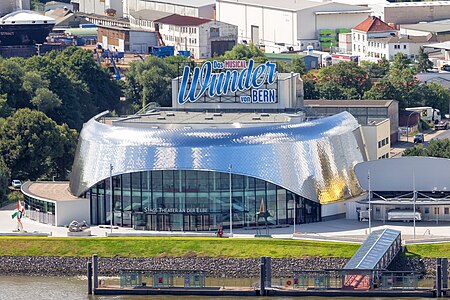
x=419 y=138
x=16 y=184
x=441 y=126
x=445 y=68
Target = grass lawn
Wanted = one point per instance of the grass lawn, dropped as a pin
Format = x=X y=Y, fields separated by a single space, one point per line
x=186 y=247
x=171 y=246
x=429 y=250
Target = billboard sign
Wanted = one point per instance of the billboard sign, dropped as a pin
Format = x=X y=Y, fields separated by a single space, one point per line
x=249 y=82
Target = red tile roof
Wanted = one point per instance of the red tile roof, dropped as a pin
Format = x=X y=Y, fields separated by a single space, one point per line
x=373 y=24
x=179 y=20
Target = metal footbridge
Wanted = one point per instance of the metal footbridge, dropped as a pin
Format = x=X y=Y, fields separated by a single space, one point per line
x=375 y=254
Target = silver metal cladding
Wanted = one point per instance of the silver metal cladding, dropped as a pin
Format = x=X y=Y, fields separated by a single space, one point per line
x=313 y=159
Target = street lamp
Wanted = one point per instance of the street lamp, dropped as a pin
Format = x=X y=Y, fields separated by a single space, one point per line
x=230 y=167
x=414 y=204
x=407 y=127
x=370 y=198
x=111 y=196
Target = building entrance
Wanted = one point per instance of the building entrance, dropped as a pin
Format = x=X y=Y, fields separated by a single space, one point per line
x=196 y=222
x=158 y=222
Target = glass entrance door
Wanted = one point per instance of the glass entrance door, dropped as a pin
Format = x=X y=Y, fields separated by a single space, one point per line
x=196 y=222
x=158 y=222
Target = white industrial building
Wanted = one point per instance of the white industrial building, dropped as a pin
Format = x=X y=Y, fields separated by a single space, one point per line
x=281 y=24
x=412 y=12
x=376 y=136
x=192 y=8
x=99 y=7
x=370 y=29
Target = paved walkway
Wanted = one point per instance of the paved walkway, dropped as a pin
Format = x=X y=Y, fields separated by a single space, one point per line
x=336 y=230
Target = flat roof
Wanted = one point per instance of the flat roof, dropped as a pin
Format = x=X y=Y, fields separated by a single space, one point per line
x=435 y=27
x=149 y=14
x=182 y=119
x=281 y=4
x=414 y=4
x=348 y=103
x=443 y=45
x=49 y=190
x=189 y=3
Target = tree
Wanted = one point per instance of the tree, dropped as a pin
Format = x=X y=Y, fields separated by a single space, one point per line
x=380 y=90
x=423 y=63
x=29 y=143
x=245 y=52
x=436 y=95
x=376 y=69
x=436 y=148
x=310 y=86
x=151 y=80
x=400 y=61
x=45 y=100
x=298 y=66
x=342 y=80
x=62 y=164
x=5 y=176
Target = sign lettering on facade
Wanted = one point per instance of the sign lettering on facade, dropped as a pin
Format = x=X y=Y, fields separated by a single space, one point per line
x=175 y=210
x=216 y=78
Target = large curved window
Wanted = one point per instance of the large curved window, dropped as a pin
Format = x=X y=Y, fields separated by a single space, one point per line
x=195 y=201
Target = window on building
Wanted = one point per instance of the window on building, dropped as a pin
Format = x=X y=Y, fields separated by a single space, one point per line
x=427 y=210
x=446 y=210
x=379 y=144
x=359 y=38
x=404 y=46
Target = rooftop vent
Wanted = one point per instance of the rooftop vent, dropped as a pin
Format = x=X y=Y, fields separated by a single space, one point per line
x=256 y=118
x=217 y=114
x=209 y=118
x=264 y=115
x=161 y=118
x=170 y=114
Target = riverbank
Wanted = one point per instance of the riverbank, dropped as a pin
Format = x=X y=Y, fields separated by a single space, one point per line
x=215 y=267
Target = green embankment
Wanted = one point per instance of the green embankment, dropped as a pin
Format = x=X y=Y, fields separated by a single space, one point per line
x=171 y=246
x=187 y=247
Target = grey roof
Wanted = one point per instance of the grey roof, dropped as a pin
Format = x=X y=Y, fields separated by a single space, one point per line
x=405 y=39
x=189 y=3
x=312 y=159
x=149 y=15
x=397 y=174
x=368 y=256
x=414 y=4
x=348 y=103
x=435 y=27
x=292 y=5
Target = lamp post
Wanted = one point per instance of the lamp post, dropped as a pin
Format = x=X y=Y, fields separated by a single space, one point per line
x=295 y=209
x=370 y=198
x=407 y=127
x=230 y=167
x=414 y=204
x=111 y=196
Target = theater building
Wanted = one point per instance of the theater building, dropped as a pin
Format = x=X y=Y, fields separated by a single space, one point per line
x=185 y=168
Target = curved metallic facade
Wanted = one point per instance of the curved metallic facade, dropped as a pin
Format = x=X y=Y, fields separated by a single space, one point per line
x=313 y=159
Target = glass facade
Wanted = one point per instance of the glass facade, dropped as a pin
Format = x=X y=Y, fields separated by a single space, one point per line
x=179 y=200
x=39 y=210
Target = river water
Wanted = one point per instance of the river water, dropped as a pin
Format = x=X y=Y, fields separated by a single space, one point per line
x=75 y=288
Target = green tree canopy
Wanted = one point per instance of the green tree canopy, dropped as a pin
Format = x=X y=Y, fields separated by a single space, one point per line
x=30 y=142
x=345 y=80
x=5 y=176
x=245 y=52
x=436 y=148
x=423 y=62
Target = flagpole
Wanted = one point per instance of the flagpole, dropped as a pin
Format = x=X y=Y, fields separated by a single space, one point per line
x=295 y=208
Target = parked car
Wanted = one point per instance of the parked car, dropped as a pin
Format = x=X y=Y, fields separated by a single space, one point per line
x=16 y=183
x=419 y=138
x=441 y=126
x=445 y=68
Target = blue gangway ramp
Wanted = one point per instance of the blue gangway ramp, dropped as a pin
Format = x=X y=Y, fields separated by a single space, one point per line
x=377 y=251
